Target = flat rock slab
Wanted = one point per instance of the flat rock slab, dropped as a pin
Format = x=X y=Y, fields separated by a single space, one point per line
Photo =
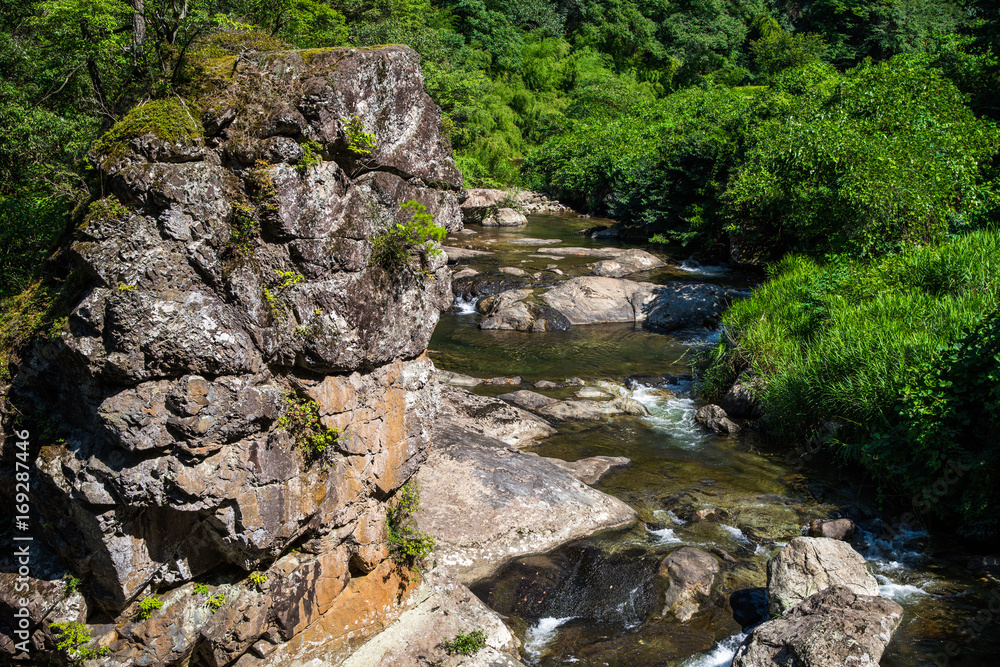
x=593 y=392
x=456 y=379
x=629 y=261
x=442 y=607
x=832 y=628
x=585 y=410
x=491 y=417
x=530 y=400
x=577 y=251
x=590 y=470
x=454 y=253
x=486 y=503
x=595 y=300
x=530 y=241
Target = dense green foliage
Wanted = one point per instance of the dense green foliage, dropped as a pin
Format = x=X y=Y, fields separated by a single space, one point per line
x=879 y=354
x=465 y=643
x=391 y=249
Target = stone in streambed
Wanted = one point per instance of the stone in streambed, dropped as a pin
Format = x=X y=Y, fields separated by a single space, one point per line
x=593 y=392
x=546 y=384
x=715 y=419
x=832 y=628
x=682 y=305
x=629 y=261
x=454 y=254
x=691 y=573
x=835 y=529
x=512 y=270
x=529 y=400
x=464 y=273
x=456 y=379
x=485 y=503
x=573 y=410
x=491 y=417
x=812 y=564
x=505 y=217
x=590 y=470
x=739 y=401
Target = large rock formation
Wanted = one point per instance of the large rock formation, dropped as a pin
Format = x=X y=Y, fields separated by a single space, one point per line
x=832 y=628
x=812 y=564
x=226 y=320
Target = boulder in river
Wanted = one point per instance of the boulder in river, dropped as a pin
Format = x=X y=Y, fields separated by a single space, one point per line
x=629 y=261
x=479 y=203
x=485 y=503
x=715 y=419
x=691 y=573
x=812 y=564
x=491 y=417
x=832 y=628
x=529 y=400
x=596 y=300
x=739 y=401
x=681 y=305
x=505 y=217
x=835 y=529
x=591 y=469
x=455 y=253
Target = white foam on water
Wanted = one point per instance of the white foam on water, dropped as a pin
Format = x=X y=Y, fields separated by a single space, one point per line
x=465 y=307
x=898 y=592
x=694 y=267
x=671 y=415
x=541 y=634
x=736 y=534
x=665 y=536
x=720 y=656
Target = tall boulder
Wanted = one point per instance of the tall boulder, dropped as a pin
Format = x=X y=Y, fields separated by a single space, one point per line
x=232 y=375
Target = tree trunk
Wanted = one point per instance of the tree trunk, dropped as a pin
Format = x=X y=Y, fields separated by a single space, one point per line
x=138 y=29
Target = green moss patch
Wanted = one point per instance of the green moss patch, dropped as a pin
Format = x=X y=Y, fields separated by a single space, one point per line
x=169 y=120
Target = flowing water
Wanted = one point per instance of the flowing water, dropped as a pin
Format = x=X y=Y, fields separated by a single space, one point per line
x=598 y=601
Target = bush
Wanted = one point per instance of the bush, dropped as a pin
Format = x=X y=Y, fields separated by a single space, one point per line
x=301 y=420
x=881 y=349
x=72 y=641
x=148 y=605
x=408 y=545
x=391 y=249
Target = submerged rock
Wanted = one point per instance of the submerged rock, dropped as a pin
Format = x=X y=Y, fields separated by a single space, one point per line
x=485 y=503
x=832 y=628
x=812 y=564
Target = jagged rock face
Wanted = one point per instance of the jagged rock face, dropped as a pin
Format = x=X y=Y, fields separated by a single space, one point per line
x=233 y=281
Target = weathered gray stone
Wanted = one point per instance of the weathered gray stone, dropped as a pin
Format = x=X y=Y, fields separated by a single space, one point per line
x=505 y=217
x=832 y=628
x=629 y=261
x=485 y=503
x=715 y=419
x=834 y=529
x=491 y=417
x=684 y=305
x=591 y=469
x=529 y=400
x=812 y=564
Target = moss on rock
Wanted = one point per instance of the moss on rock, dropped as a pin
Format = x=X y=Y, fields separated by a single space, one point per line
x=169 y=120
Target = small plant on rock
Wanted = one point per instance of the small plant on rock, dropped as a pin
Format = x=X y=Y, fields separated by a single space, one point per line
x=201 y=589
x=72 y=640
x=391 y=249
x=301 y=420
x=263 y=189
x=359 y=142
x=72 y=584
x=407 y=544
x=312 y=156
x=258 y=579
x=148 y=605
x=215 y=602
x=243 y=229
x=466 y=643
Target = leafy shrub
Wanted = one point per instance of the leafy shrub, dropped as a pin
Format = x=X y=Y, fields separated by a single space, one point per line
x=72 y=584
x=72 y=641
x=200 y=589
x=243 y=229
x=312 y=156
x=301 y=420
x=359 y=142
x=148 y=605
x=391 y=249
x=215 y=602
x=258 y=579
x=408 y=545
x=466 y=643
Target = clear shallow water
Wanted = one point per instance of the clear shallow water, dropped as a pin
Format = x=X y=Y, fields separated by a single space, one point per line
x=597 y=601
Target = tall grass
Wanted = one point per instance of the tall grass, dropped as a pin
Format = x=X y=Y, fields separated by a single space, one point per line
x=840 y=341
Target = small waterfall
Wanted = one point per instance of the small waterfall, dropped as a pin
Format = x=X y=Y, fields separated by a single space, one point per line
x=464 y=306
x=540 y=635
x=672 y=415
x=720 y=656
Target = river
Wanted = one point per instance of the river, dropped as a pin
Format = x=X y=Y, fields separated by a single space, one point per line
x=597 y=601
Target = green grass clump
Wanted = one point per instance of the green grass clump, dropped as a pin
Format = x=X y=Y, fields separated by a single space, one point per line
x=849 y=341
x=215 y=602
x=301 y=420
x=168 y=119
x=466 y=643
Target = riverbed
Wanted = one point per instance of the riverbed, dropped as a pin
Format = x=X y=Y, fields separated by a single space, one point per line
x=598 y=601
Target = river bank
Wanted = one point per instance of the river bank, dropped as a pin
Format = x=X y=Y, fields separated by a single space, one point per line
x=593 y=600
